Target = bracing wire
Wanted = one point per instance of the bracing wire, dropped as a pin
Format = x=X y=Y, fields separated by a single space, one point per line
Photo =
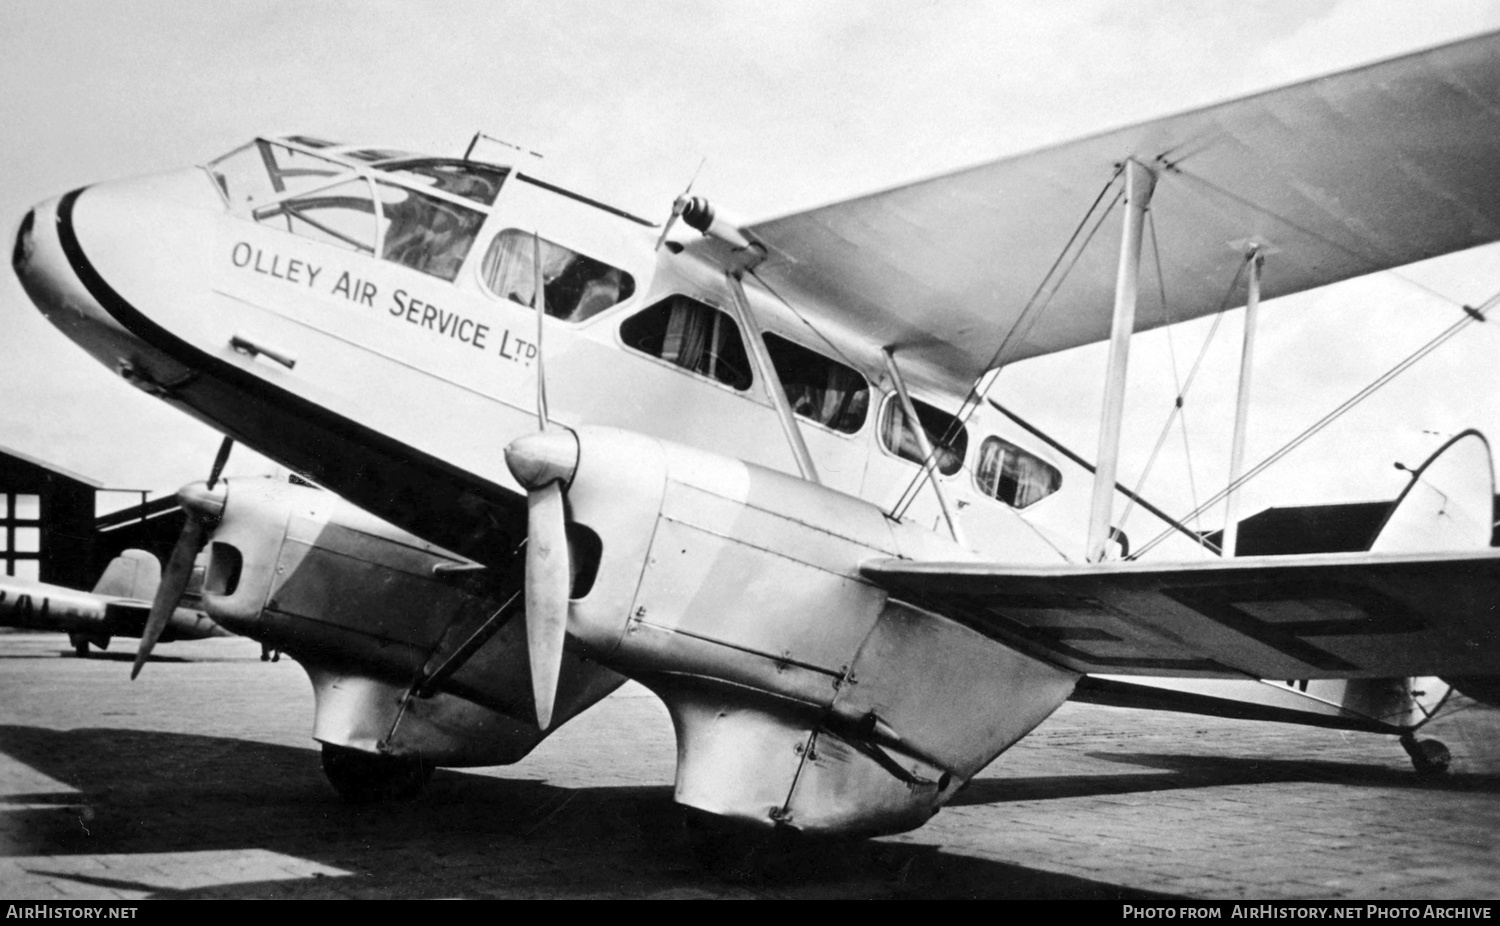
x=1178 y=413
x=1033 y=309
x=1471 y=316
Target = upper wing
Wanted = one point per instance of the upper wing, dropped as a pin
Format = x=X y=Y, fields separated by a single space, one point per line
x=1331 y=616
x=1343 y=175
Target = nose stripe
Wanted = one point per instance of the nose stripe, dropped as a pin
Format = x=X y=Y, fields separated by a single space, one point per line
x=374 y=444
x=20 y=256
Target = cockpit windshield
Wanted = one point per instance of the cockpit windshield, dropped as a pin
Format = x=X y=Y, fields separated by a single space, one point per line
x=417 y=212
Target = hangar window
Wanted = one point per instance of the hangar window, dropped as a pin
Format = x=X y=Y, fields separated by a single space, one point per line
x=575 y=288
x=342 y=215
x=692 y=335
x=944 y=432
x=1012 y=475
x=20 y=534
x=426 y=233
x=820 y=389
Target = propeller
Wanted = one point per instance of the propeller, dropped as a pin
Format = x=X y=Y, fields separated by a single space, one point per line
x=544 y=465
x=201 y=505
x=678 y=205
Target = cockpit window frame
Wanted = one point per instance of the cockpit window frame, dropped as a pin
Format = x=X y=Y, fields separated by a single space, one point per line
x=372 y=173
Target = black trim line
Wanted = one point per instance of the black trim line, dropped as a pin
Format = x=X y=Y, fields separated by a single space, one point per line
x=138 y=324
x=584 y=199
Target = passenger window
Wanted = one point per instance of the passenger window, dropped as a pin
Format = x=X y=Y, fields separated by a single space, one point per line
x=820 y=389
x=576 y=287
x=692 y=335
x=426 y=233
x=1012 y=475
x=898 y=437
x=342 y=215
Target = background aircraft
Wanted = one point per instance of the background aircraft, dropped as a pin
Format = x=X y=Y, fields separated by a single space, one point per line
x=118 y=606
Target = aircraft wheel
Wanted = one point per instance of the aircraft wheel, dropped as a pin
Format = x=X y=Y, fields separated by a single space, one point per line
x=1428 y=757
x=363 y=778
x=80 y=647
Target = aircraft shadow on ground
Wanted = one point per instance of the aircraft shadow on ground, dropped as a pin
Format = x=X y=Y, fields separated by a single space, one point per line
x=467 y=835
x=1180 y=772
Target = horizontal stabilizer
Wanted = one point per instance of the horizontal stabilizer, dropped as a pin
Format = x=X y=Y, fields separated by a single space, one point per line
x=1360 y=615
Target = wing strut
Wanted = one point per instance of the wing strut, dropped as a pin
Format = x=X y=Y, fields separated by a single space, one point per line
x=767 y=370
x=929 y=459
x=1256 y=259
x=1140 y=182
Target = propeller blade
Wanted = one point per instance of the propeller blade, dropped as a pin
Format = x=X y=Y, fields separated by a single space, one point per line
x=544 y=464
x=202 y=505
x=219 y=460
x=548 y=581
x=174 y=582
x=678 y=205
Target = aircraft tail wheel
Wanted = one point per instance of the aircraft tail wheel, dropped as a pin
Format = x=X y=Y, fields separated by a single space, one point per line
x=80 y=647
x=1429 y=757
x=364 y=778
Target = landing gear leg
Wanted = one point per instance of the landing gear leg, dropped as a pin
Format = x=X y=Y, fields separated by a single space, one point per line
x=80 y=647
x=1429 y=757
x=364 y=778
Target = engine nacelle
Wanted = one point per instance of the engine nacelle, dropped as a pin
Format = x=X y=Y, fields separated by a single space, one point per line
x=367 y=609
x=801 y=695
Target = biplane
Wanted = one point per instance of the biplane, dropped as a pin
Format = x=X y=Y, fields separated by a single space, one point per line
x=118 y=605
x=756 y=466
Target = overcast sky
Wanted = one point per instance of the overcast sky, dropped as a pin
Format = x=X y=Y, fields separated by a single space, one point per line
x=790 y=104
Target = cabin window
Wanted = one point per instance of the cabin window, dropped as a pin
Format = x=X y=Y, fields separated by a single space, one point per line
x=576 y=287
x=1012 y=475
x=342 y=215
x=697 y=337
x=897 y=436
x=820 y=389
x=426 y=233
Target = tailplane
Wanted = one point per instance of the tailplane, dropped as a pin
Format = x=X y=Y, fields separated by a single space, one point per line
x=133 y=574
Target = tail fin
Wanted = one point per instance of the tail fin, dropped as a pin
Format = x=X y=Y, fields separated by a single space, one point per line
x=133 y=574
x=1449 y=504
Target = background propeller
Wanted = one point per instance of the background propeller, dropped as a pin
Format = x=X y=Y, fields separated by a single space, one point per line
x=201 y=506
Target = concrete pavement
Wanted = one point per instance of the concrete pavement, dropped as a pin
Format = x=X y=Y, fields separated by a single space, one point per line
x=200 y=780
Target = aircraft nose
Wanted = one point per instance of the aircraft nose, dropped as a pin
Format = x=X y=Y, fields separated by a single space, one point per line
x=95 y=261
x=20 y=255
